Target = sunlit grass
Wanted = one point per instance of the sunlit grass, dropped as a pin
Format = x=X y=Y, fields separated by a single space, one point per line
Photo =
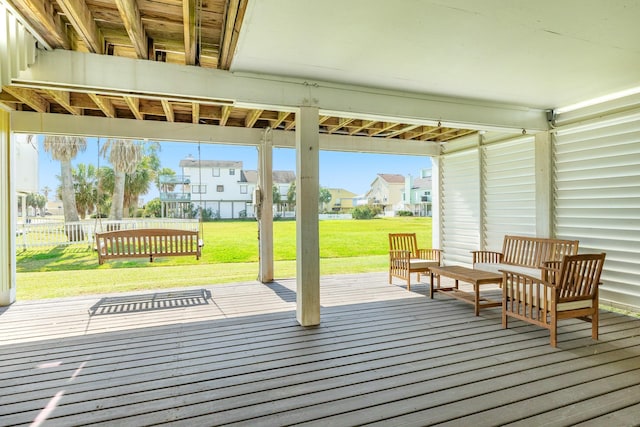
x=230 y=254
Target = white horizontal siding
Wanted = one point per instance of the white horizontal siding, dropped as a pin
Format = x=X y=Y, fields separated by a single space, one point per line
x=509 y=191
x=460 y=206
x=597 y=199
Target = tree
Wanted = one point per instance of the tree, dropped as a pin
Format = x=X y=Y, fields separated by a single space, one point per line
x=153 y=208
x=86 y=189
x=124 y=155
x=277 y=198
x=324 y=197
x=291 y=196
x=137 y=184
x=46 y=190
x=64 y=149
x=36 y=201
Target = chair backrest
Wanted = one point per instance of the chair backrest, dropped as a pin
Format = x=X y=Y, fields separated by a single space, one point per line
x=580 y=275
x=403 y=242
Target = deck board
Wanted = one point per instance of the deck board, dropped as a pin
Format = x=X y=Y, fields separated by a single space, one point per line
x=382 y=355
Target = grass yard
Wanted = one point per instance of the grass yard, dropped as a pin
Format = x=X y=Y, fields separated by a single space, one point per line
x=230 y=254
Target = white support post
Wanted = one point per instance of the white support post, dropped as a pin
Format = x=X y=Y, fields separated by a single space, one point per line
x=7 y=215
x=307 y=235
x=265 y=220
x=544 y=184
x=436 y=194
x=482 y=160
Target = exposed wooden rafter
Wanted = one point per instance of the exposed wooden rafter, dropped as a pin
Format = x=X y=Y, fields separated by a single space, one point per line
x=104 y=104
x=233 y=17
x=252 y=117
x=189 y=18
x=45 y=20
x=132 y=20
x=134 y=106
x=342 y=122
x=29 y=97
x=226 y=112
x=195 y=113
x=282 y=116
x=168 y=110
x=83 y=22
x=64 y=100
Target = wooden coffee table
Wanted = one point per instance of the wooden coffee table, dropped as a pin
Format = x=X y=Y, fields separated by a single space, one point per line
x=467 y=275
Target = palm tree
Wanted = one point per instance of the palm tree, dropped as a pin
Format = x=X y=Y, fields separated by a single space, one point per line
x=64 y=149
x=84 y=183
x=46 y=190
x=137 y=184
x=124 y=155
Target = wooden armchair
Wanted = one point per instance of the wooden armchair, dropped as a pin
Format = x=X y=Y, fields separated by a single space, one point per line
x=405 y=257
x=565 y=292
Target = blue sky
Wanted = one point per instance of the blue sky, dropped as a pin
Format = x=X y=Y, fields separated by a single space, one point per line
x=351 y=171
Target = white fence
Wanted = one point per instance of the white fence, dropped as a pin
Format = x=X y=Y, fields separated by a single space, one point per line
x=45 y=232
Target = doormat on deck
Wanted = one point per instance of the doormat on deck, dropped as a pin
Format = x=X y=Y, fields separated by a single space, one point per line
x=149 y=302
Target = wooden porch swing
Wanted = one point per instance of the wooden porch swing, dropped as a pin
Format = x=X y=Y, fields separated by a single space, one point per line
x=147 y=242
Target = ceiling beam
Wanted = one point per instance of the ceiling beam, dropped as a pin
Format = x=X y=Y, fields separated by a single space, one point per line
x=132 y=20
x=116 y=75
x=282 y=116
x=82 y=21
x=89 y=126
x=189 y=19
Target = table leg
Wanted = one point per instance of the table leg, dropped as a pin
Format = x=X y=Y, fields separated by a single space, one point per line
x=476 y=303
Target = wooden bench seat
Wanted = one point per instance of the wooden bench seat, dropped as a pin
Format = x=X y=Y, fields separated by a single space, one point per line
x=526 y=255
x=147 y=243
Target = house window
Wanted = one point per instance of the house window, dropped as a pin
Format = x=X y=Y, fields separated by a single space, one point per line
x=216 y=171
x=243 y=189
x=199 y=189
x=232 y=171
x=220 y=188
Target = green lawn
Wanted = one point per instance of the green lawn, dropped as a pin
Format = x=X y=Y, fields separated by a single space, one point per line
x=230 y=254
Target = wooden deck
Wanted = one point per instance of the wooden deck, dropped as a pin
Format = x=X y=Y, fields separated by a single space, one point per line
x=382 y=355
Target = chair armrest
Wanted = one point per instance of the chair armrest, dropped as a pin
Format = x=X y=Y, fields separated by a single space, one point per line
x=487 y=256
x=525 y=288
x=551 y=271
x=429 y=254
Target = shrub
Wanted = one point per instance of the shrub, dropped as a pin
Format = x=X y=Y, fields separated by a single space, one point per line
x=404 y=213
x=365 y=212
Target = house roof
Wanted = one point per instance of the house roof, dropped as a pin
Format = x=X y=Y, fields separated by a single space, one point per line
x=392 y=178
x=279 y=177
x=422 y=183
x=193 y=163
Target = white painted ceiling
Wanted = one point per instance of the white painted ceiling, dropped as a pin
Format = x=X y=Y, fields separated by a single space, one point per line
x=533 y=53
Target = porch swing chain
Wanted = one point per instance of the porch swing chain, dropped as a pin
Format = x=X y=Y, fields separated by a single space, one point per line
x=201 y=224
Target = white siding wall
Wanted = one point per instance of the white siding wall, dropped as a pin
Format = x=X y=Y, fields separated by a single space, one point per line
x=460 y=206
x=509 y=191
x=597 y=198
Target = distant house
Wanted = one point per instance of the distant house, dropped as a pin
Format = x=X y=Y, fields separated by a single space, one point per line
x=217 y=185
x=417 y=194
x=341 y=200
x=222 y=186
x=26 y=167
x=386 y=192
x=281 y=179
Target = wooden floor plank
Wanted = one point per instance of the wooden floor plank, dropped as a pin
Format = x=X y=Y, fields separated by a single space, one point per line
x=382 y=354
